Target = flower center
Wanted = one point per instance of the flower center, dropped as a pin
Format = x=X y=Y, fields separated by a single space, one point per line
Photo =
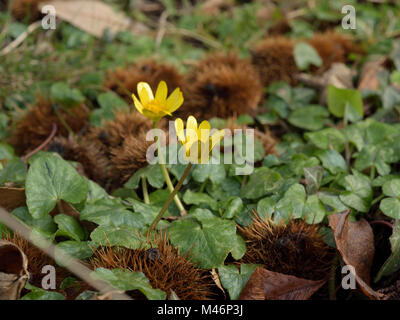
x=155 y=107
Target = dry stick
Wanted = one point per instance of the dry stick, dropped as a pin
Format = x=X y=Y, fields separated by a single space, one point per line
x=161 y=29
x=21 y=38
x=64 y=258
x=169 y=200
x=43 y=144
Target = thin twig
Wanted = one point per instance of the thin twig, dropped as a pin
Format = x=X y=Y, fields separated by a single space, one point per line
x=63 y=258
x=382 y=222
x=43 y=144
x=161 y=29
x=12 y=45
x=171 y=30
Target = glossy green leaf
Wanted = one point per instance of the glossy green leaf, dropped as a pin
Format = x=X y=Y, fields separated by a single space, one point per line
x=49 y=180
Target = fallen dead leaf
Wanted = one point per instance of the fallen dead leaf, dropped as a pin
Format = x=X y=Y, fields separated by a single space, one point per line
x=213 y=7
x=94 y=17
x=355 y=242
x=338 y=75
x=267 y=285
x=217 y=280
x=369 y=74
x=11 y=198
x=13 y=271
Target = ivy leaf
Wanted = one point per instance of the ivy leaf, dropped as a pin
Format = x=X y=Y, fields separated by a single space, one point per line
x=305 y=55
x=152 y=173
x=292 y=203
x=314 y=210
x=77 y=249
x=108 y=212
x=50 y=179
x=333 y=161
x=266 y=207
x=392 y=263
x=128 y=280
x=60 y=92
x=261 y=182
x=41 y=294
x=390 y=207
x=391 y=188
x=339 y=99
x=359 y=194
x=327 y=138
x=44 y=225
x=234 y=206
x=313 y=176
x=6 y=151
x=208 y=238
x=109 y=102
x=214 y=172
x=69 y=227
x=233 y=280
x=199 y=198
x=309 y=118
x=125 y=236
x=14 y=171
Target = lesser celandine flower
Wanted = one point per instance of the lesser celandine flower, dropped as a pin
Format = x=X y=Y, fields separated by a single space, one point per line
x=197 y=143
x=158 y=106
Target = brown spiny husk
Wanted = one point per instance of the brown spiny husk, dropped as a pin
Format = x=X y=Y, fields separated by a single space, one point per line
x=333 y=47
x=124 y=80
x=22 y=9
x=295 y=248
x=165 y=268
x=89 y=153
x=274 y=60
x=120 y=145
x=37 y=124
x=268 y=140
x=37 y=259
x=221 y=85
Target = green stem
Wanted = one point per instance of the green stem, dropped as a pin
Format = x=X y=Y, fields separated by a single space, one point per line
x=65 y=124
x=377 y=199
x=203 y=185
x=372 y=173
x=170 y=198
x=167 y=178
x=145 y=192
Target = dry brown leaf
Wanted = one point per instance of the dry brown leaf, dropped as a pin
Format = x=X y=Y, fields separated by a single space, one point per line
x=94 y=17
x=13 y=271
x=338 y=75
x=267 y=285
x=213 y=7
x=369 y=74
x=217 y=280
x=355 y=242
x=11 y=198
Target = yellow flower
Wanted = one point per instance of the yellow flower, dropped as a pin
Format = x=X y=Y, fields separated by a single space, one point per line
x=197 y=142
x=156 y=107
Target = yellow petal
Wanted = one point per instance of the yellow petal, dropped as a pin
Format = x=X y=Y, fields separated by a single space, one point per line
x=216 y=138
x=145 y=93
x=137 y=103
x=162 y=91
x=175 y=100
x=179 y=130
x=191 y=123
x=191 y=129
x=203 y=132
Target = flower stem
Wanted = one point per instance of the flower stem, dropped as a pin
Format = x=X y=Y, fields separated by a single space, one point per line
x=145 y=192
x=170 y=198
x=167 y=178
